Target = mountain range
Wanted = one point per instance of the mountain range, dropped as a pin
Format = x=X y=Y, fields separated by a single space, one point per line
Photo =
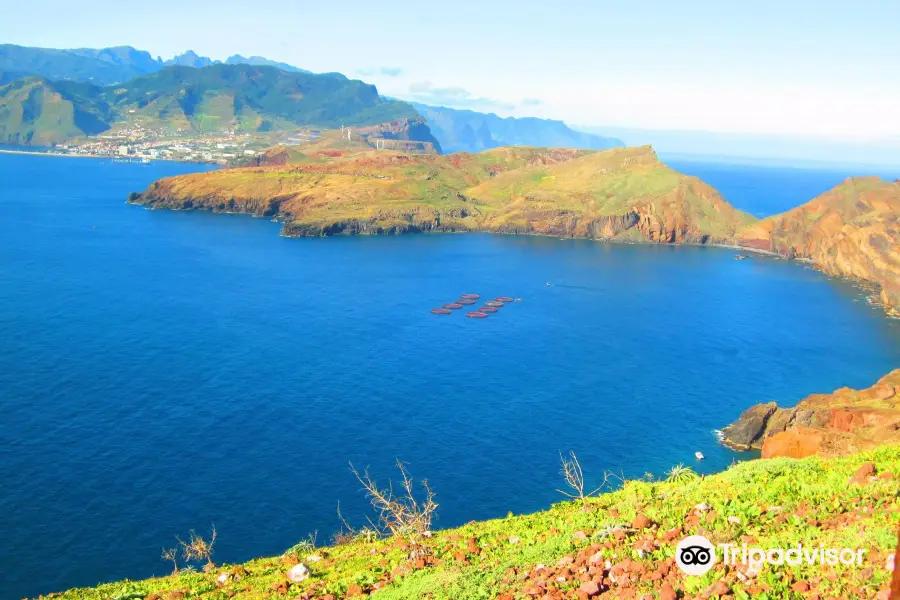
x=470 y=131
x=243 y=98
x=106 y=66
x=81 y=92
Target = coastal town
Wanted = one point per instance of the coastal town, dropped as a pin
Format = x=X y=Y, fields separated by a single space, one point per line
x=136 y=143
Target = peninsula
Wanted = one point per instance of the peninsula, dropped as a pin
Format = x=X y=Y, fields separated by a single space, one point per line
x=623 y=194
x=334 y=185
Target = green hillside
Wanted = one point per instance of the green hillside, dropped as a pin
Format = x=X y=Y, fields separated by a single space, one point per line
x=38 y=112
x=618 y=545
x=245 y=98
x=254 y=98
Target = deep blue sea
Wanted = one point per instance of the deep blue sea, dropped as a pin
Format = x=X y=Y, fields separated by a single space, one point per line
x=164 y=371
x=768 y=189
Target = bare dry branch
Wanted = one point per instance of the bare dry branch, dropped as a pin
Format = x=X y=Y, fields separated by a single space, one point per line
x=574 y=477
x=398 y=515
x=171 y=554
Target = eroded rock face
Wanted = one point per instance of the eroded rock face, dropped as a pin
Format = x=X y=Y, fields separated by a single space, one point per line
x=852 y=231
x=839 y=423
x=750 y=428
x=797 y=442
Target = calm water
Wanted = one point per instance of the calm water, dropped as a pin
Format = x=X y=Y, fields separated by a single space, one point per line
x=763 y=190
x=162 y=371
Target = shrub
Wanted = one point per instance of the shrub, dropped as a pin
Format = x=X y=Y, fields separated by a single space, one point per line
x=198 y=548
x=681 y=474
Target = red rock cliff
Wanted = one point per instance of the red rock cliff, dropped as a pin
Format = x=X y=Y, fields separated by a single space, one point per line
x=842 y=422
x=852 y=230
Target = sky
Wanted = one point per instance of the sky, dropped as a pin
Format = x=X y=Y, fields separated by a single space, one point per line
x=822 y=68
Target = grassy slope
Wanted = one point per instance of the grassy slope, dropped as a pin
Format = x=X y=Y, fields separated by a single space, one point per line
x=479 y=560
x=624 y=193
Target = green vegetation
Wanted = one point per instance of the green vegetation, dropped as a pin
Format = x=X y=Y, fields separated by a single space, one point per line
x=768 y=504
x=244 y=98
x=34 y=111
x=225 y=93
x=334 y=186
x=681 y=474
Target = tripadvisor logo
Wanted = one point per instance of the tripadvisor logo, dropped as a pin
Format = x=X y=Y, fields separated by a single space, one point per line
x=695 y=555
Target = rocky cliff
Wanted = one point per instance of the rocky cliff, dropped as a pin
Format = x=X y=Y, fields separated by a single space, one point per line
x=623 y=194
x=842 y=422
x=852 y=230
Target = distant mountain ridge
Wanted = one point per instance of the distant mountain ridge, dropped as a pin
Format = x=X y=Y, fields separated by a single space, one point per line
x=105 y=66
x=210 y=105
x=470 y=131
x=245 y=98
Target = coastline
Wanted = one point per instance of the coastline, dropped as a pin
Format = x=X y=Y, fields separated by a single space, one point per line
x=871 y=289
x=39 y=153
x=106 y=156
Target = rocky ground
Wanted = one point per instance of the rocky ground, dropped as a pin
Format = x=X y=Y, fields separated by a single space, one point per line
x=842 y=422
x=621 y=545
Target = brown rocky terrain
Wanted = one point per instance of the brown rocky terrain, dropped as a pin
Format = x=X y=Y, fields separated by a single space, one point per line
x=842 y=422
x=345 y=187
x=852 y=230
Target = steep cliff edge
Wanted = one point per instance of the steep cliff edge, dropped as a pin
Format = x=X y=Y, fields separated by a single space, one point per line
x=852 y=230
x=842 y=422
x=623 y=194
x=621 y=544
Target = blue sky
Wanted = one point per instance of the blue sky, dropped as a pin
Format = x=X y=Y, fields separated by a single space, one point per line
x=789 y=67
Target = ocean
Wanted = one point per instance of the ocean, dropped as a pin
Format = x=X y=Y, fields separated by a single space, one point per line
x=162 y=371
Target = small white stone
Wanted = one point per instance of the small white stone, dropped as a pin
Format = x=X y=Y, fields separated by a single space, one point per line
x=313 y=558
x=298 y=573
x=426 y=534
x=223 y=578
x=891 y=563
x=734 y=519
x=561 y=579
x=702 y=507
x=514 y=539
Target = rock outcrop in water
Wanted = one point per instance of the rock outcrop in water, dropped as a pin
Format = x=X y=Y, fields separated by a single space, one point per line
x=842 y=422
x=624 y=194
